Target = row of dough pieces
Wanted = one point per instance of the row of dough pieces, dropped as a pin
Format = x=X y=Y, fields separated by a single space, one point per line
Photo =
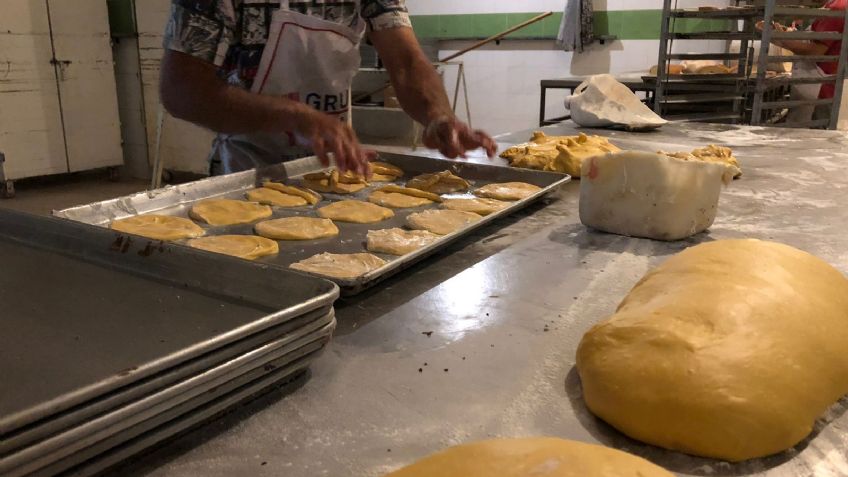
x=566 y=153
x=427 y=225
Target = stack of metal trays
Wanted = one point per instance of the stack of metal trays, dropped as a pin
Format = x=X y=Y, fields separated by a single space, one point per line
x=110 y=344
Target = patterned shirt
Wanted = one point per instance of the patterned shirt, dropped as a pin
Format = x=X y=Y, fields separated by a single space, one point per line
x=231 y=34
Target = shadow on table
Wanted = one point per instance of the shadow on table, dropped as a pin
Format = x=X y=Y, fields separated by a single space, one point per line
x=590 y=240
x=679 y=462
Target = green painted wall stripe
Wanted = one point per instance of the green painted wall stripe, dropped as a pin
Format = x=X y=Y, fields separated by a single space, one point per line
x=625 y=24
x=122 y=17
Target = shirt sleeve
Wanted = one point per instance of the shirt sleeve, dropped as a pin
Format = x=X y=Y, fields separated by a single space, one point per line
x=385 y=14
x=203 y=29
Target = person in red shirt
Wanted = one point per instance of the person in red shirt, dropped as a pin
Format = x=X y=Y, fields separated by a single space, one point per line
x=811 y=69
x=828 y=47
x=818 y=47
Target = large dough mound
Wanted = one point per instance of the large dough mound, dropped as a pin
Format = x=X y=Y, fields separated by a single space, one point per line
x=531 y=457
x=730 y=349
x=642 y=194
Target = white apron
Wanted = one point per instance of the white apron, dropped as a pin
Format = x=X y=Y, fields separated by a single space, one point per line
x=307 y=59
x=804 y=69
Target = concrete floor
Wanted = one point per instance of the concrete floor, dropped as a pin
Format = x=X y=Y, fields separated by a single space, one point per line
x=43 y=195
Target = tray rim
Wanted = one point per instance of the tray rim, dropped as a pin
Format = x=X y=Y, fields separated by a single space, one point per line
x=45 y=453
x=296 y=168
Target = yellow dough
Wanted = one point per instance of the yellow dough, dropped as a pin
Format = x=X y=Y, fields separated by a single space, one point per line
x=268 y=196
x=386 y=170
x=158 y=227
x=399 y=241
x=730 y=349
x=441 y=222
x=410 y=191
x=335 y=182
x=248 y=247
x=507 y=191
x=311 y=197
x=711 y=153
x=480 y=206
x=443 y=182
x=531 y=457
x=557 y=153
x=396 y=200
x=297 y=228
x=375 y=177
x=345 y=266
x=355 y=211
x=228 y=212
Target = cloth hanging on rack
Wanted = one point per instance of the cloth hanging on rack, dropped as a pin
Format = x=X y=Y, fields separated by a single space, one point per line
x=576 y=30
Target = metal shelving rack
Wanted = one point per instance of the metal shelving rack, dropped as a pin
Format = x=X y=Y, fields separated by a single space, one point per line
x=753 y=98
x=762 y=107
x=711 y=97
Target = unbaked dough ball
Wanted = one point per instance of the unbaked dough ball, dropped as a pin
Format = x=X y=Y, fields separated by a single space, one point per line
x=531 y=457
x=730 y=349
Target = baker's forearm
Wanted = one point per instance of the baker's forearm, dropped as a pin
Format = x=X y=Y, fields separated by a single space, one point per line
x=802 y=47
x=420 y=91
x=191 y=90
x=418 y=86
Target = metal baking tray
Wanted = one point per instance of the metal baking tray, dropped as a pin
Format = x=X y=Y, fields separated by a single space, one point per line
x=87 y=311
x=104 y=432
x=291 y=329
x=286 y=379
x=177 y=200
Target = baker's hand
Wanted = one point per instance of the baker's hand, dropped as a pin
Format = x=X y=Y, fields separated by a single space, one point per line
x=325 y=134
x=454 y=138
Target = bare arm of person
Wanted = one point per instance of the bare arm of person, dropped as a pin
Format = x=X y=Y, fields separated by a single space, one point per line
x=422 y=95
x=191 y=90
x=797 y=47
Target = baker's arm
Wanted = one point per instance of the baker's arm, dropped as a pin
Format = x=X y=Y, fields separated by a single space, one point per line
x=421 y=93
x=191 y=90
x=802 y=47
x=797 y=47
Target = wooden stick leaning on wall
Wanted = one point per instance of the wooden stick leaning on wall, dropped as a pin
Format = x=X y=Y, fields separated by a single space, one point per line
x=475 y=46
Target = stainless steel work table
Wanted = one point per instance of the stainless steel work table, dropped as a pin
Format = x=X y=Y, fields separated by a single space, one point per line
x=479 y=341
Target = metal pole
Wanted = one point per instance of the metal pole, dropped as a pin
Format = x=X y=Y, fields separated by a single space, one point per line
x=465 y=94
x=840 y=78
x=762 y=63
x=662 y=59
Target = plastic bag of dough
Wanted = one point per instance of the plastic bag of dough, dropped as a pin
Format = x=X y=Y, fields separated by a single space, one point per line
x=643 y=194
x=601 y=101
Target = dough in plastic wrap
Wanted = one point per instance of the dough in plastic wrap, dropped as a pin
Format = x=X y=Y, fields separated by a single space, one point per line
x=643 y=194
x=601 y=101
x=730 y=349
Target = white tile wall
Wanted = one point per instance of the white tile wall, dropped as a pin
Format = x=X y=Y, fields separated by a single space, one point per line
x=450 y=7
x=503 y=80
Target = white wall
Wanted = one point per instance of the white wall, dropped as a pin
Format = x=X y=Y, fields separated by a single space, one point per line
x=452 y=7
x=503 y=80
